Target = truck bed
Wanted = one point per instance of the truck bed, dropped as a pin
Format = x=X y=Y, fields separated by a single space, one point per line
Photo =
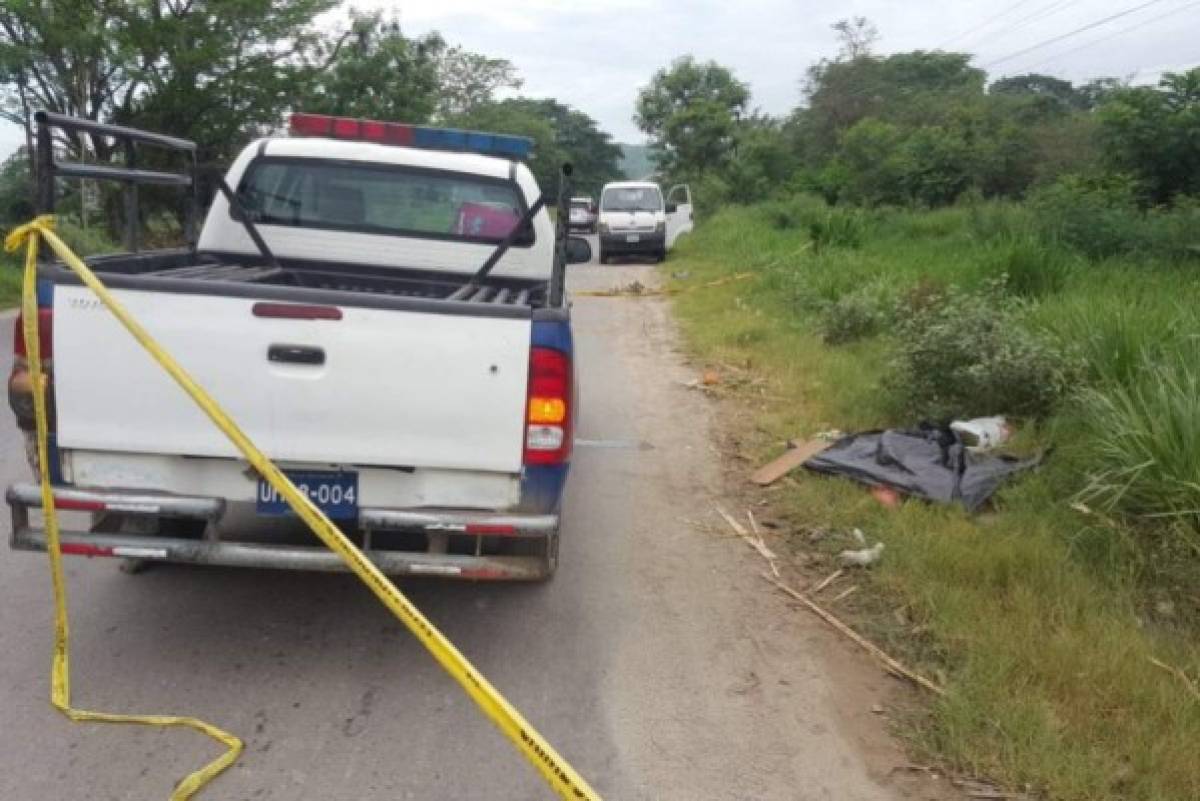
x=209 y=273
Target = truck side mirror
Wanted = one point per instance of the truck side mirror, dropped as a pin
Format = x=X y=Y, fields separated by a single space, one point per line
x=579 y=250
x=672 y=208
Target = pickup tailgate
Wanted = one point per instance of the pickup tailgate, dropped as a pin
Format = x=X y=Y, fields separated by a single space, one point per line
x=380 y=387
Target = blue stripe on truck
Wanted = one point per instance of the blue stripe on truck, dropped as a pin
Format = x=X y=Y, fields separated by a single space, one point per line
x=542 y=487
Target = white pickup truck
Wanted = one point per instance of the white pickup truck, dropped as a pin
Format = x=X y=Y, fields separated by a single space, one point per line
x=379 y=306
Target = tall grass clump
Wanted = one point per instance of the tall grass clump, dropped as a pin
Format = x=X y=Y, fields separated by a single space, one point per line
x=1145 y=437
x=1116 y=333
x=845 y=228
x=991 y=221
x=1029 y=267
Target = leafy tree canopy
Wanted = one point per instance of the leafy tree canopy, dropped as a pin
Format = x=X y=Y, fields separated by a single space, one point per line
x=690 y=111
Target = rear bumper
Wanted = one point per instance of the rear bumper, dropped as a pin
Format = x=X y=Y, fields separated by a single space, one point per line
x=619 y=242
x=434 y=527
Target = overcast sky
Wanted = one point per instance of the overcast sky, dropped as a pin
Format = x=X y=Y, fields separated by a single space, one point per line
x=595 y=54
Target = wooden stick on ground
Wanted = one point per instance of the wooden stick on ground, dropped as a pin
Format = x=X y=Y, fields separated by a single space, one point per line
x=825 y=582
x=758 y=535
x=844 y=594
x=741 y=531
x=888 y=662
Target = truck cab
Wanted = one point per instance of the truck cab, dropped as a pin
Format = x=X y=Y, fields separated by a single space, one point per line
x=380 y=307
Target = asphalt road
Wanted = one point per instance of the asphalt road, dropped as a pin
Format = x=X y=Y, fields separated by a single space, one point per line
x=656 y=661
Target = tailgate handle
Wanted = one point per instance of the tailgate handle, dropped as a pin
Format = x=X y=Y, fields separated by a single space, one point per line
x=296 y=354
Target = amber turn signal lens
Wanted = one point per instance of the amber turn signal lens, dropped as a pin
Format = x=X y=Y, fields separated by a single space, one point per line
x=547 y=410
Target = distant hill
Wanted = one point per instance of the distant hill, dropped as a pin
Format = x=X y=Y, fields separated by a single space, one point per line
x=637 y=161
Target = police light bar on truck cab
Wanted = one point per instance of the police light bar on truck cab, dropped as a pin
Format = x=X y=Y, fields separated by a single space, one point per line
x=395 y=133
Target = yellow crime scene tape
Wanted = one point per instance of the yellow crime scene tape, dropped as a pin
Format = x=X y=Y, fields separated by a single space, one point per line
x=555 y=770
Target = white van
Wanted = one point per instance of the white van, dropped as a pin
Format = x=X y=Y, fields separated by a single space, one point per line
x=634 y=218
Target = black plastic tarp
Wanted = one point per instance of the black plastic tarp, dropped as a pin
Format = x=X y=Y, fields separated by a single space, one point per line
x=931 y=463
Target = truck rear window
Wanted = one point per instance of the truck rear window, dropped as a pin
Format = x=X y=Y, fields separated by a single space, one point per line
x=381 y=199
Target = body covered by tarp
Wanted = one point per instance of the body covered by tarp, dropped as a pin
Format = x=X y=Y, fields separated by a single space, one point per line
x=930 y=463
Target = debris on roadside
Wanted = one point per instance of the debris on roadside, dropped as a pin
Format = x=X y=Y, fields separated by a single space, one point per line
x=982 y=433
x=928 y=462
x=864 y=557
x=797 y=453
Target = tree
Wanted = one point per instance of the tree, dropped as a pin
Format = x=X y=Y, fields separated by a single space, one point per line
x=691 y=112
x=870 y=163
x=905 y=87
x=469 y=80
x=513 y=116
x=579 y=140
x=16 y=189
x=1151 y=132
x=1050 y=94
x=857 y=35
x=763 y=160
x=202 y=69
x=376 y=72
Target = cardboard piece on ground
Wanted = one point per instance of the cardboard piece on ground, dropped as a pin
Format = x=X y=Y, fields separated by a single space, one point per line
x=796 y=454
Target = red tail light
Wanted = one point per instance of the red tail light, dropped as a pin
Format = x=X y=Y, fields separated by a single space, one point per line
x=45 y=340
x=548 y=420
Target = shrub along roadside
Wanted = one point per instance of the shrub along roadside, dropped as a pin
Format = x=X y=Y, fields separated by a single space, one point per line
x=1043 y=620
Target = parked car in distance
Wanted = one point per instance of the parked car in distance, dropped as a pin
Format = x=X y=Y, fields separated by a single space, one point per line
x=634 y=219
x=582 y=215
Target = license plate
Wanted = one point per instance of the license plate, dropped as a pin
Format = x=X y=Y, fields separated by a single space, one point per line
x=632 y=238
x=334 y=492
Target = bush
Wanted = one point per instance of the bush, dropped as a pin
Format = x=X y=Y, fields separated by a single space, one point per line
x=862 y=313
x=1145 y=438
x=963 y=354
x=1102 y=219
x=1098 y=218
x=794 y=212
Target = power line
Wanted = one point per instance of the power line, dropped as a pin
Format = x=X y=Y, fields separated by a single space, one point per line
x=1115 y=34
x=1041 y=14
x=983 y=24
x=1069 y=34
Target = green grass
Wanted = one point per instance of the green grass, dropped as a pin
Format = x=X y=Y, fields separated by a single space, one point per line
x=84 y=242
x=1042 y=620
x=10 y=279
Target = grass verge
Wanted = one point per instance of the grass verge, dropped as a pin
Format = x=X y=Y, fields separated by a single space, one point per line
x=1042 y=621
